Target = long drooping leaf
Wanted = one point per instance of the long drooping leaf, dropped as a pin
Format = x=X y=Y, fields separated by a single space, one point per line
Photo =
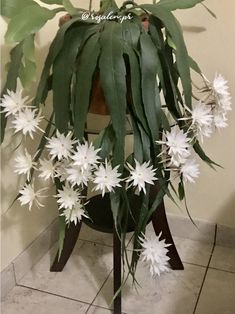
x=135 y=85
x=174 y=29
x=54 y=50
x=193 y=65
x=63 y=69
x=150 y=95
x=11 y=81
x=10 y=8
x=113 y=81
x=87 y=65
x=53 y=1
x=203 y=156
x=69 y=7
x=177 y=4
x=28 y=22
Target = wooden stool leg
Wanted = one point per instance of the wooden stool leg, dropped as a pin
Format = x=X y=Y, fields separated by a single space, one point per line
x=71 y=236
x=117 y=272
x=160 y=224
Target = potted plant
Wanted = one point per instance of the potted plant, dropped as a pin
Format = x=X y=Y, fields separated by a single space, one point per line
x=131 y=63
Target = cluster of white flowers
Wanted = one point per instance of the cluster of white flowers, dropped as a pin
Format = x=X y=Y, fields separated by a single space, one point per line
x=25 y=118
x=177 y=154
x=154 y=254
x=210 y=112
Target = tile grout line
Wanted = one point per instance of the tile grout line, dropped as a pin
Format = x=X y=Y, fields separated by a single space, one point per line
x=219 y=269
x=51 y=293
x=207 y=268
x=99 y=291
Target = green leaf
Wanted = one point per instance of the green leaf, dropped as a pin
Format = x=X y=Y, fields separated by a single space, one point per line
x=135 y=82
x=65 y=63
x=150 y=94
x=54 y=50
x=107 y=141
x=27 y=73
x=113 y=82
x=193 y=65
x=11 y=81
x=53 y=1
x=181 y=190
x=174 y=28
x=107 y=4
x=10 y=8
x=177 y=4
x=29 y=48
x=86 y=69
x=203 y=156
x=69 y=7
x=28 y=22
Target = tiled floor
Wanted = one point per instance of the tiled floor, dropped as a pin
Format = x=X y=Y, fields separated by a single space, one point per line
x=206 y=286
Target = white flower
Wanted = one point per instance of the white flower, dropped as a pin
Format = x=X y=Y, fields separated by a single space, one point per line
x=67 y=197
x=221 y=93
x=60 y=146
x=29 y=196
x=220 y=85
x=224 y=103
x=220 y=120
x=13 y=102
x=106 y=178
x=77 y=175
x=141 y=174
x=189 y=170
x=27 y=121
x=201 y=115
x=75 y=214
x=47 y=169
x=154 y=254
x=177 y=144
x=85 y=155
x=61 y=169
x=24 y=164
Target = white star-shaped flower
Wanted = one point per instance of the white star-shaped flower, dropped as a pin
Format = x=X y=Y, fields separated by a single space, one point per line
x=189 y=170
x=220 y=85
x=67 y=197
x=24 y=163
x=154 y=254
x=177 y=144
x=13 y=102
x=220 y=120
x=75 y=214
x=85 y=155
x=29 y=196
x=141 y=174
x=61 y=146
x=27 y=121
x=47 y=169
x=78 y=175
x=106 y=178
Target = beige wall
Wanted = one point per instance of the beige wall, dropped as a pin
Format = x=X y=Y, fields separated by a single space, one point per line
x=212 y=43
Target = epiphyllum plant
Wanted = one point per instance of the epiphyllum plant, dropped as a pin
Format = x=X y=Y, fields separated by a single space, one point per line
x=143 y=69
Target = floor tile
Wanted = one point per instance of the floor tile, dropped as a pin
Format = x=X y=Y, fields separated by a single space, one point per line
x=190 y=251
x=26 y=301
x=7 y=280
x=218 y=293
x=82 y=277
x=98 y=310
x=223 y=258
x=173 y=293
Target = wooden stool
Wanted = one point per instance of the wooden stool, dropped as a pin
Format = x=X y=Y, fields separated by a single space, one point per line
x=99 y=210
